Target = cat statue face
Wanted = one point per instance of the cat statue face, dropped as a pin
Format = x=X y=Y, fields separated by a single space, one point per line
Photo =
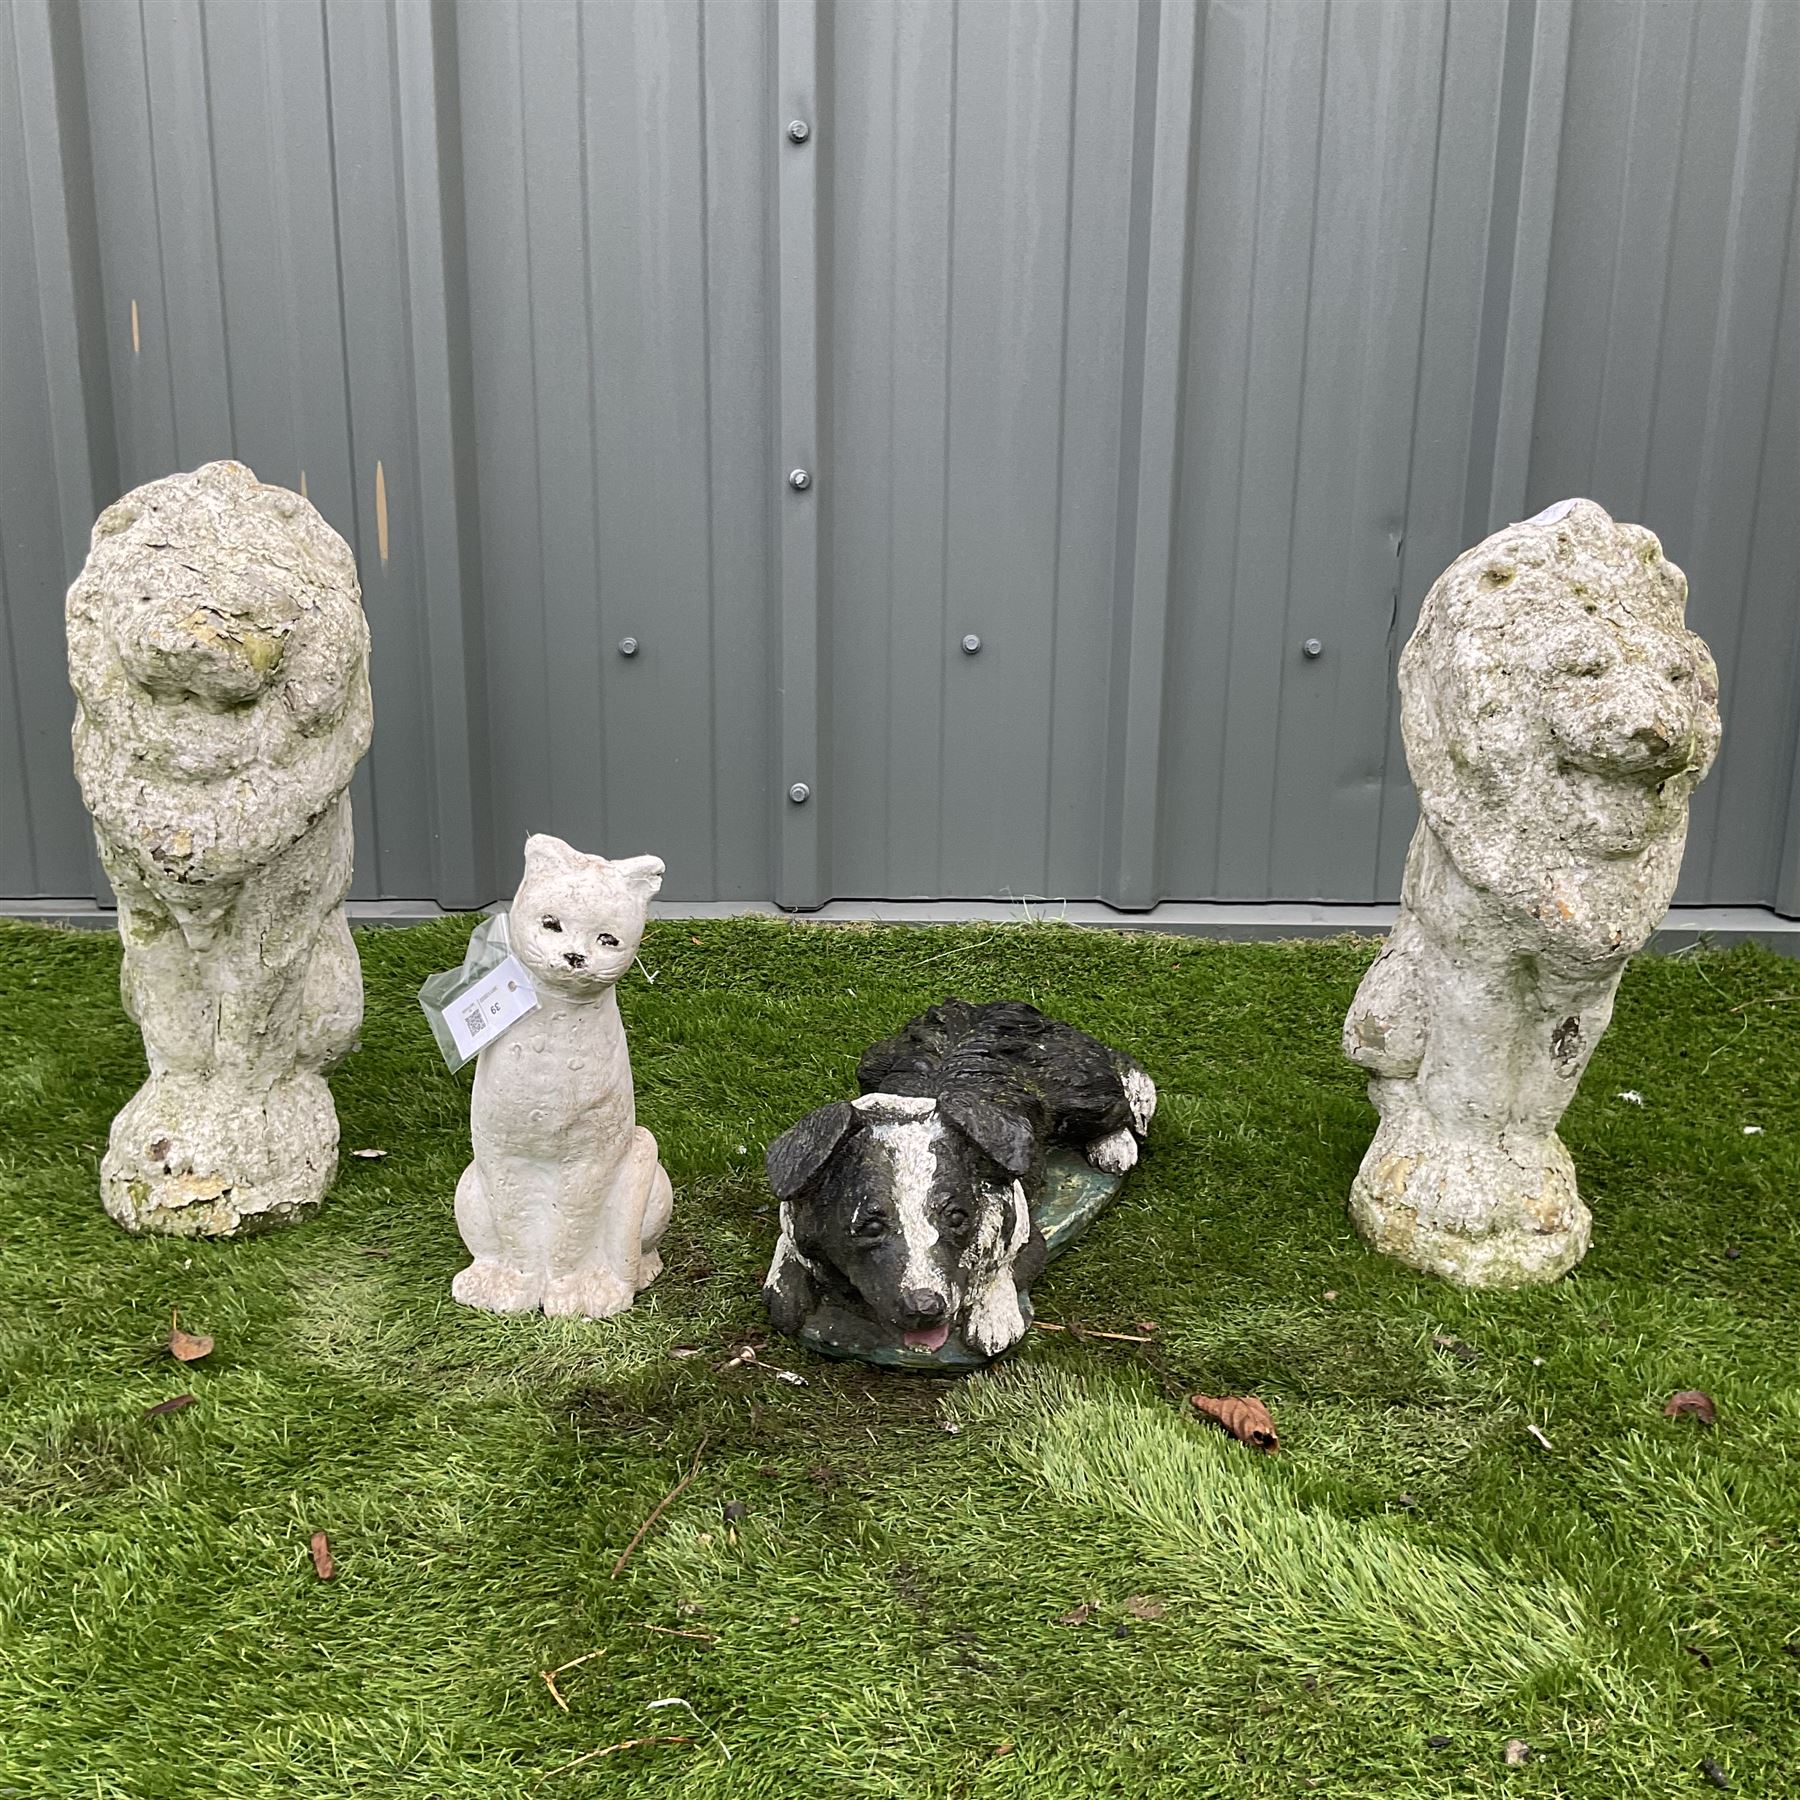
x=577 y=920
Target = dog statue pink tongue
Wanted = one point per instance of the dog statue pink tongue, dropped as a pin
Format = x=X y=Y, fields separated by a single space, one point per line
x=932 y=1339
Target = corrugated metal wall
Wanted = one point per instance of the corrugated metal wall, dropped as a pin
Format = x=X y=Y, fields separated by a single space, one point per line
x=1140 y=341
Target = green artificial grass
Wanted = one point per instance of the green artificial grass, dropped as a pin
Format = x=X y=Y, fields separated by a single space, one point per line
x=1047 y=1581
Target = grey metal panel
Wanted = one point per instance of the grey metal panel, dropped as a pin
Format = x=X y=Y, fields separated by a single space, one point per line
x=1143 y=338
x=1163 y=180
x=1662 y=391
x=249 y=215
x=980 y=215
x=800 y=865
x=601 y=146
x=45 y=475
x=1291 y=161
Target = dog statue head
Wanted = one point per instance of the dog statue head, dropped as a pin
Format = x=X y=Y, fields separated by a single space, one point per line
x=577 y=921
x=909 y=1209
x=1557 y=714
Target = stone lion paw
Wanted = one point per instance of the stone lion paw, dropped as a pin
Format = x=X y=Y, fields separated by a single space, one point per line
x=494 y=1287
x=650 y=1265
x=1114 y=1153
x=590 y=1294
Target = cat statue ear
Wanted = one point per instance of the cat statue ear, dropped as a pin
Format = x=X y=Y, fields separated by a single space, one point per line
x=542 y=850
x=642 y=874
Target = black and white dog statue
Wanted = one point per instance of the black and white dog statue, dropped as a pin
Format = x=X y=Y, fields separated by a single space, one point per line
x=906 y=1214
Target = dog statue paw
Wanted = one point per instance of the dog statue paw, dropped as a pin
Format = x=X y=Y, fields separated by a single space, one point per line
x=915 y=1217
x=565 y=1202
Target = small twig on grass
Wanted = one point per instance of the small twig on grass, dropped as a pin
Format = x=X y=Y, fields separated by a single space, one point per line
x=676 y=1700
x=704 y=1637
x=656 y=1512
x=548 y=1676
x=612 y=1749
x=1764 y=1000
x=1082 y=1331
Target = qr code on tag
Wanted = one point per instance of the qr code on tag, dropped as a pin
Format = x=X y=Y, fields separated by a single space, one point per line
x=473 y=1022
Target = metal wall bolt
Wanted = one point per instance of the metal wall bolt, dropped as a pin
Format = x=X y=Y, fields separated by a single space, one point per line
x=799 y=131
x=628 y=646
x=799 y=480
x=1313 y=647
x=971 y=644
x=799 y=793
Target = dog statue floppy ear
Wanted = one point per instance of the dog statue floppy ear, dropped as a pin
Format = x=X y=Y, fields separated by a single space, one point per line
x=1005 y=1136
x=792 y=1161
x=803 y=1150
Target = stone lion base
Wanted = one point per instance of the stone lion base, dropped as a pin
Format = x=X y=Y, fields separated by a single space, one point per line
x=1477 y=1214
x=191 y=1156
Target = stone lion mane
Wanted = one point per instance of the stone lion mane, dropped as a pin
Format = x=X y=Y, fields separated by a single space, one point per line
x=219 y=657
x=1557 y=715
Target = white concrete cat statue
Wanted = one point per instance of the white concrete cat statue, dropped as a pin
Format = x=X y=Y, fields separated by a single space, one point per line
x=565 y=1202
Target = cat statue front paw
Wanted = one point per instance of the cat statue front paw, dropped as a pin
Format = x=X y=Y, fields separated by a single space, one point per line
x=494 y=1287
x=589 y=1294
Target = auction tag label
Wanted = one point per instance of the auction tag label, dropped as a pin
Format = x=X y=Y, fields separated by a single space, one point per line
x=479 y=1014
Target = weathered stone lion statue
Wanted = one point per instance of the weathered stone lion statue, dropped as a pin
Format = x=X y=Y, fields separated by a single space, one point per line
x=219 y=657
x=1557 y=714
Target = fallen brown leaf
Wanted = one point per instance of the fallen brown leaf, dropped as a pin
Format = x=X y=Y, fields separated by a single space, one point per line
x=323 y=1565
x=1692 y=1400
x=1079 y=1616
x=1517 y=1753
x=1454 y=1346
x=1245 y=1417
x=1141 y=1606
x=186 y=1346
x=168 y=1406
